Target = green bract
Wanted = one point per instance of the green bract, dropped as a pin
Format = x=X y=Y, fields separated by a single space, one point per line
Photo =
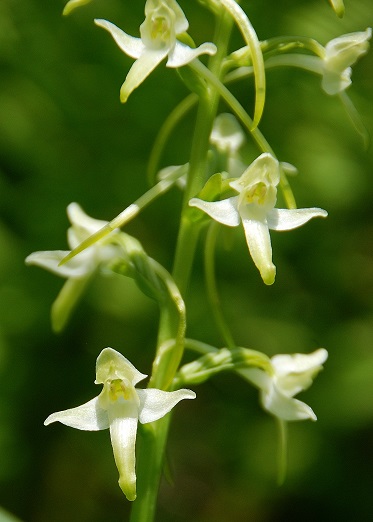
x=119 y=407
x=290 y=375
x=164 y=21
x=254 y=208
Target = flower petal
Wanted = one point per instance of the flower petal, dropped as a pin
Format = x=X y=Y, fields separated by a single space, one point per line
x=50 y=260
x=259 y=243
x=296 y=372
x=284 y=219
x=142 y=67
x=89 y=416
x=130 y=45
x=183 y=54
x=155 y=404
x=224 y=211
x=123 y=417
x=272 y=398
x=285 y=408
x=80 y=220
x=112 y=365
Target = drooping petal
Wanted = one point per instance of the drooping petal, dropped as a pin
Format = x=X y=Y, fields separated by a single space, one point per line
x=112 y=365
x=183 y=54
x=284 y=407
x=123 y=416
x=224 y=211
x=259 y=243
x=130 y=45
x=50 y=260
x=154 y=404
x=89 y=417
x=285 y=219
x=140 y=70
x=272 y=398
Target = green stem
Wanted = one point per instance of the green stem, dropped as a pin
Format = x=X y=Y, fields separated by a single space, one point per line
x=150 y=460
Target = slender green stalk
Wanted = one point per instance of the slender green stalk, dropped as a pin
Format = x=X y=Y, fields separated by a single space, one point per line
x=165 y=131
x=282 y=451
x=151 y=452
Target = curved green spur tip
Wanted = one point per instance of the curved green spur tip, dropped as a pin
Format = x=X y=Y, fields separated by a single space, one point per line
x=338 y=7
x=73 y=4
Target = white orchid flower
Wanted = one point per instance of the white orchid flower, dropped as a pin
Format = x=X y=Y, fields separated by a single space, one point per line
x=340 y=54
x=78 y=270
x=291 y=374
x=164 y=21
x=254 y=208
x=119 y=407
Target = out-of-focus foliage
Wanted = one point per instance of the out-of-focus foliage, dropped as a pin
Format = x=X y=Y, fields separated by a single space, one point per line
x=65 y=137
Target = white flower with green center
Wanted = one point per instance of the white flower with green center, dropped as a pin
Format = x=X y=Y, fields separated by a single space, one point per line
x=254 y=208
x=78 y=270
x=164 y=21
x=119 y=407
x=340 y=54
x=290 y=375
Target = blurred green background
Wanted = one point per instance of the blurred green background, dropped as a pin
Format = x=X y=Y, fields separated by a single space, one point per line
x=65 y=137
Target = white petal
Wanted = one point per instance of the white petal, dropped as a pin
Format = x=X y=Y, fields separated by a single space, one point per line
x=295 y=373
x=50 y=259
x=80 y=220
x=273 y=400
x=130 y=45
x=143 y=66
x=112 y=365
x=298 y=362
x=258 y=377
x=286 y=408
x=264 y=169
x=224 y=211
x=285 y=219
x=259 y=243
x=154 y=404
x=180 y=21
x=123 y=429
x=335 y=82
x=227 y=134
x=89 y=416
x=183 y=54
